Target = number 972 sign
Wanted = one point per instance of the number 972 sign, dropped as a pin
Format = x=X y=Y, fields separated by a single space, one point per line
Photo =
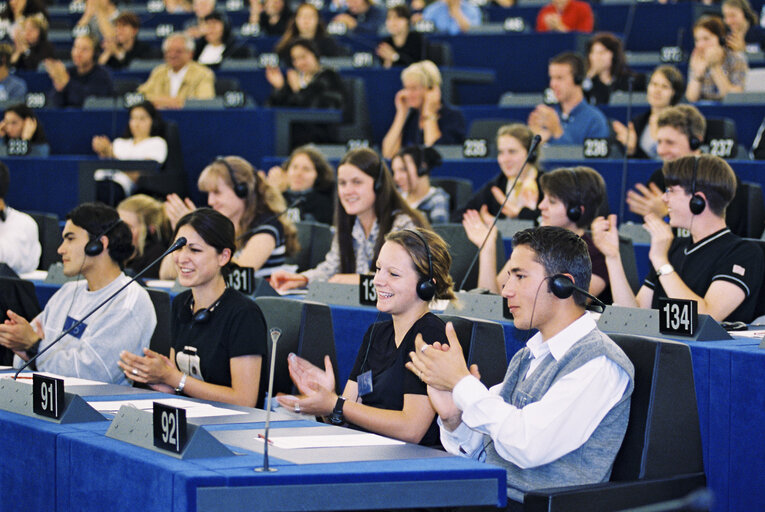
x=678 y=316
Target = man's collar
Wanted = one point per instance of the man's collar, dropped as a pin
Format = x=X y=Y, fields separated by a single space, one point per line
x=559 y=344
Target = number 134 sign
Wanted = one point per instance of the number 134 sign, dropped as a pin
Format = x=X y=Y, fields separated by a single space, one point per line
x=678 y=316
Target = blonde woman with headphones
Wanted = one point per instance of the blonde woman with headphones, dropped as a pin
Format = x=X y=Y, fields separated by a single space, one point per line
x=421 y=115
x=264 y=238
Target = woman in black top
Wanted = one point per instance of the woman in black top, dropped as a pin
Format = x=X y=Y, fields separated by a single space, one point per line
x=381 y=396
x=307 y=85
x=403 y=46
x=306 y=176
x=307 y=24
x=219 y=335
x=607 y=69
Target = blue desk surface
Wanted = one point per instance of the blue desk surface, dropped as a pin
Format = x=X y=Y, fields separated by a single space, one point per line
x=730 y=395
x=75 y=467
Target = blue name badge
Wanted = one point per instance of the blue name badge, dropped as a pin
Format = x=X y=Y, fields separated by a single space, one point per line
x=78 y=331
x=365 y=383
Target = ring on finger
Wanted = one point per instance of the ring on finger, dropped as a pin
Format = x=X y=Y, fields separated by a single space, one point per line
x=135 y=371
x=297 y=407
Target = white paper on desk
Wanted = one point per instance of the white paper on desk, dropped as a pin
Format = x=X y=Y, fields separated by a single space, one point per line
x=35 y=275
x=193 y=409
x=160 y=283
x=758 y=334
x=331 y=441
x=68 y=381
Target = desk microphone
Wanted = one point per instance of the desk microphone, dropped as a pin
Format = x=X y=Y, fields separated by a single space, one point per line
x=532 y=149
x=300 y=200
x=275 y=333
x=177 y=245
x=630 y=83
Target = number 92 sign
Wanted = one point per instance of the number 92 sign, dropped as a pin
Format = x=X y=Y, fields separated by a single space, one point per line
x=169 y=427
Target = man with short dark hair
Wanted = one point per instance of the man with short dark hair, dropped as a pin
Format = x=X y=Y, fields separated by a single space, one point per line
x=362 y=17
x=19 y=243
x=124 y=47
x=71 y=86
x=560 y=414
x=12 y=88
x=95 y=244
x=720 y=271
x=572 y=119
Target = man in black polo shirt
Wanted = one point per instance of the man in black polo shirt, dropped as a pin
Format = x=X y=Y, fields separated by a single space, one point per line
x=714 y=267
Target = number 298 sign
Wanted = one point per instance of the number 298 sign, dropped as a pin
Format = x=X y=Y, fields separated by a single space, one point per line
x=678 y=316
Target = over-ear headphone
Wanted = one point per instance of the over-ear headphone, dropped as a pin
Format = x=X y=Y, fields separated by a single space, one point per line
x=426 y=288
x=561 y=286
x=94 y=247
x=697 y=202
x=204 y=314
x=693 y=142
x=574 y=211
x=240 y=189
x=378 y=180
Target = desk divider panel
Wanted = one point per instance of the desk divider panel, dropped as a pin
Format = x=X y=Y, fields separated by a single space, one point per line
x=136 y=427
x=645 y=322
x=16 y=397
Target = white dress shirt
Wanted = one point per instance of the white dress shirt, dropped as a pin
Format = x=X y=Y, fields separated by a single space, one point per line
x=19 y=242
x=543 y=431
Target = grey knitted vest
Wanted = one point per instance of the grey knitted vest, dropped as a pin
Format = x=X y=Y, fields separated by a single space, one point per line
x=591 y=462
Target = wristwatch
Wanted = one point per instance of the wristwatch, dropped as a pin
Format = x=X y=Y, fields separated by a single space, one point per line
x=665 y=269
x=336 y=418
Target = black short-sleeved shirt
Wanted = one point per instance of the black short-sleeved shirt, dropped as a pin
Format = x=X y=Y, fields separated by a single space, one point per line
x=720 y=256
x=236 y=327
x=390 y=378
x=598 y=267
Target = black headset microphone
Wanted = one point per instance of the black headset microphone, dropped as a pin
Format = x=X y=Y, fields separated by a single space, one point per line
x=563 y=287
x=630 y=84
x=250 y=232
x=532 y=151
x=177 y=245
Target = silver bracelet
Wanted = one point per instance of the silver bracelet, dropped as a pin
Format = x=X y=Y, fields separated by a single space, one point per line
x=181 y=384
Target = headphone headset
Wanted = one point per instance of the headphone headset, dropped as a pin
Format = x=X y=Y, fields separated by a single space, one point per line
x=697 y=202
x=419 y=161
x=577 y=69
x=693 y=142
x=94 y=247
x=574 y=211
x=561 y=286
x=240 y=189
x=203 y=315
x=378 y=181
x=426 y=288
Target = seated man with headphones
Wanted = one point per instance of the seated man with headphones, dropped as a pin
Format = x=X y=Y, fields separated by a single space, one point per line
x=572 y=199
x=712 y=266
x=560 y=414
x=95 y=244
x=572 y=119
x=681 y=131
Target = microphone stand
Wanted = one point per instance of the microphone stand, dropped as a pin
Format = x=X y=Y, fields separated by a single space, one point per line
x=177 y=245
x=532 y=148
x=630 y=82
x=275 y=333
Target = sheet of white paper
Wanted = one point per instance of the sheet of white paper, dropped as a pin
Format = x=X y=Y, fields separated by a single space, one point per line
x=758 y=334
x=193 y=409
x=35 y=275
x=331 y=441
x=68 y=381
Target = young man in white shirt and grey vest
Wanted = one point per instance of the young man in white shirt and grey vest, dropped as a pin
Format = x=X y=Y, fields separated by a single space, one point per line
x=95 y=244
x=560 y=415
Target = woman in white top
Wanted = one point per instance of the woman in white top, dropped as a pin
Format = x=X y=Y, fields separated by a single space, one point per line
x=142 y=141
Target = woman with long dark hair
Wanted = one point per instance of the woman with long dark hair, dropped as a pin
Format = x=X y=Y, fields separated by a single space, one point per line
x=307 y=24
x=368 y=207
x=219 y=335
x=607 y=69
x=22 y=133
